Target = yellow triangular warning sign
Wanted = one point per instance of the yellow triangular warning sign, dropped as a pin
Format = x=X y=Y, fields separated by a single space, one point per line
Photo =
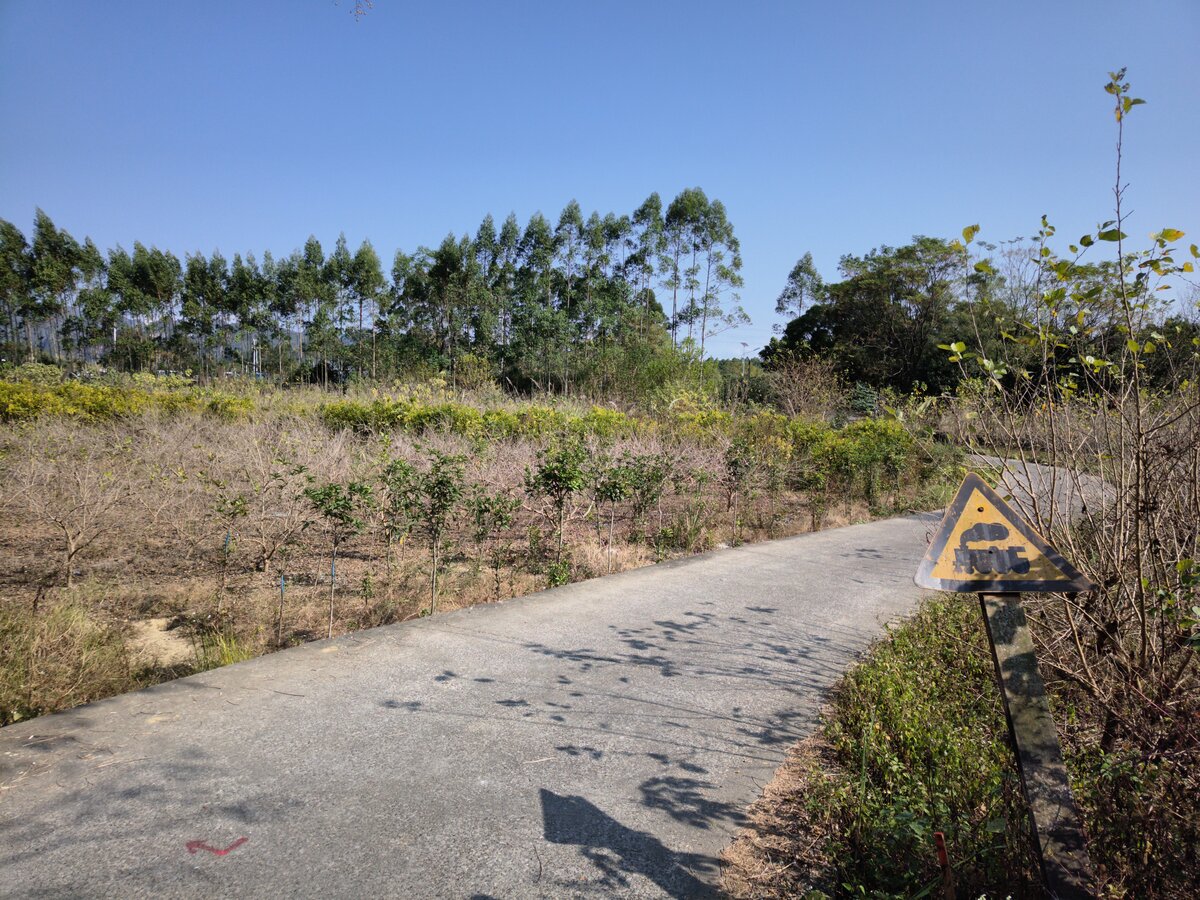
x=983 y=545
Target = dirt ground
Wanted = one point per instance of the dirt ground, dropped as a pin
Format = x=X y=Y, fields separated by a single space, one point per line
x=779 y=853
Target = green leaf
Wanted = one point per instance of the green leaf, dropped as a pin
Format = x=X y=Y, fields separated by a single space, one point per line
x=1086 y=241
x=984 y=267
x=969 y=233
x=1149 y=347
x=1170 y=234
x=1133 y=345
x=1112 y=234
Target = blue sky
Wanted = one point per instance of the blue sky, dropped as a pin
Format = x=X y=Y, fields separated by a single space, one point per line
x=831 y=127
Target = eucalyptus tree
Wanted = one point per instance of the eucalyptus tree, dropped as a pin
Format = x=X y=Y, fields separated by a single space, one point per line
x=122 y=292
x=722 y=257
x=248 y=303
x=146 y=286
x=285 y=302
x=367 y=284
x=16 y=276
x=409 y=275
x=94 y=317
x=456 y=286
x=682 y=226
x=650 y=249
x=562 y=307
x=503 y=278
x=688 y=222
x=356 y=281
x=157 y=279
x=316 y=299
x=596 y=259
x=538 y=321
x=339 y=275
x=568 y=238
x=802 y=288
x=56 y=261
x=203 y=298
x=486 y=321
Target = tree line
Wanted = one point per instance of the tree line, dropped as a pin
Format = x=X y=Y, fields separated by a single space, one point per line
x=899 y=316
x=579 y=306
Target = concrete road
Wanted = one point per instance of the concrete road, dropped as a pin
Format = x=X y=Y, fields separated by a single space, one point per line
x=601 y=739
x=1048 y=495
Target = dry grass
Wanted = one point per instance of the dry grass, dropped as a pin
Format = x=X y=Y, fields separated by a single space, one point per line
x=782 y=850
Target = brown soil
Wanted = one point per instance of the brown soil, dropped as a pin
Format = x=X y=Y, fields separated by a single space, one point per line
x=153 y=644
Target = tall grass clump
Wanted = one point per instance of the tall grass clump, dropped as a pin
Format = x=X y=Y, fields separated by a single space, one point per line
x=57 y=656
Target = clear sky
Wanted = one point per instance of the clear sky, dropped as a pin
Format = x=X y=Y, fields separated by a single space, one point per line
x=832 y=127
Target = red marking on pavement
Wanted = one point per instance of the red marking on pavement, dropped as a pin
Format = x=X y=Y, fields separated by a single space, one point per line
x=193 y=846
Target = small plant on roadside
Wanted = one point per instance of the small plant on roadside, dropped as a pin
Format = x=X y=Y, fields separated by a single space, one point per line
x=610 y=485
x=343 y=508
x=739 y=469
x=57 y=656
x=397 y=502
x=216 y=648
x=646 y=475
x=230 y=506
x=75 y=489
x=688 y=530
x=492 y=515
x=561 y=473
x=435 y=499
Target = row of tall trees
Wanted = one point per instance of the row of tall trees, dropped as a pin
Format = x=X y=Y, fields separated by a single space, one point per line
x=564 y=307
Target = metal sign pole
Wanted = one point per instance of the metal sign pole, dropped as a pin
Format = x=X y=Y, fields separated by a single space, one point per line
x=1057 y=825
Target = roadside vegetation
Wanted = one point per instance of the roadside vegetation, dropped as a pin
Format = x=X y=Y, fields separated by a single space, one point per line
x=913 y=741
x=1089 y=368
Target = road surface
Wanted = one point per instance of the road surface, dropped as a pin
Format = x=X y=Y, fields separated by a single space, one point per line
x=600 y=739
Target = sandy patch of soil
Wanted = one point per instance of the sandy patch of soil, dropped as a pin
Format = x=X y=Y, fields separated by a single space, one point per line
x=153 y=644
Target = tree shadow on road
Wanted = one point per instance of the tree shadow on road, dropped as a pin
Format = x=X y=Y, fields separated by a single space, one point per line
x=617 y=851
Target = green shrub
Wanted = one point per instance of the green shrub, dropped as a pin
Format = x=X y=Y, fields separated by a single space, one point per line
x=532 y=421
x=920 y=743
x=24 y=401
x=34 y=373
x=606 y=424
x=878 y=449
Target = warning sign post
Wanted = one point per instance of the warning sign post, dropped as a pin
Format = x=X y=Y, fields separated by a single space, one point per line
x=984 y=546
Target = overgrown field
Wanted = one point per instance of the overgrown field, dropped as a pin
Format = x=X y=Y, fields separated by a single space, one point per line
x=154 y=528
